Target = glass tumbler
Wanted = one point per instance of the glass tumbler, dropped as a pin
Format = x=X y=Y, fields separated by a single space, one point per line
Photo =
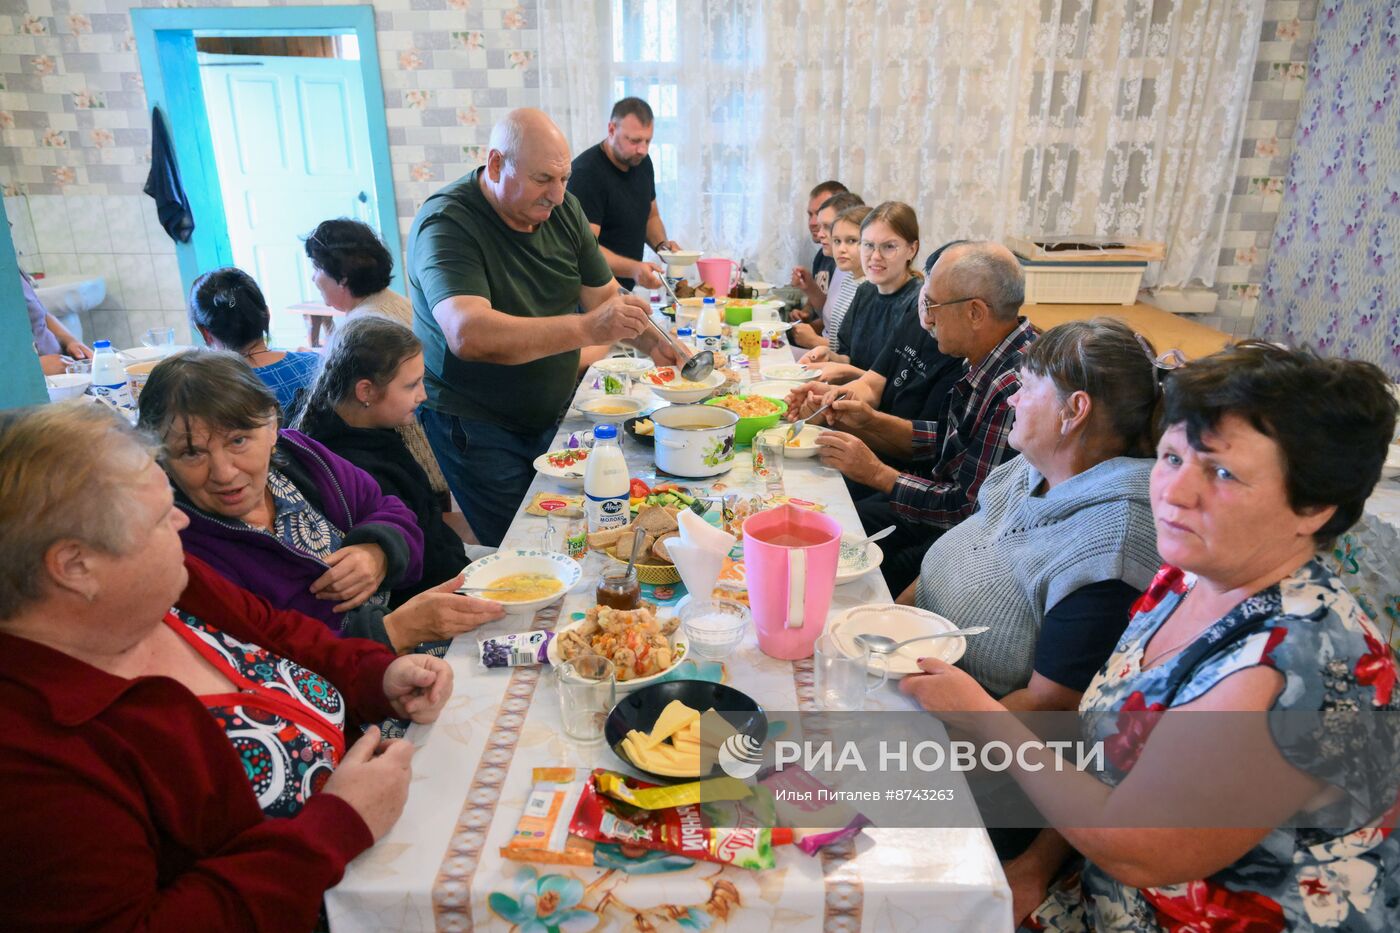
x=587 y=694
x=768 y=447
x=842 y=680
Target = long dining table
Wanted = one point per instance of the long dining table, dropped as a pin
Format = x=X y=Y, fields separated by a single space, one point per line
x=440 y=867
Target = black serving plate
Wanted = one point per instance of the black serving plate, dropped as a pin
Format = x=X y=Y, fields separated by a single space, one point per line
x=630 y=426
x=641 y=708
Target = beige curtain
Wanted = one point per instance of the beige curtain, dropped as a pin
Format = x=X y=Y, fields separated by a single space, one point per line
x=1029 y=116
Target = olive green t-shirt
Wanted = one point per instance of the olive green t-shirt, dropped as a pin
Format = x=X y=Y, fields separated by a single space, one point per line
x=460 y=246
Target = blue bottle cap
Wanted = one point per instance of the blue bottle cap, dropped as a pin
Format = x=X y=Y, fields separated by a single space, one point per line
x=707 y=301
x=605 y=432
x=100 y=344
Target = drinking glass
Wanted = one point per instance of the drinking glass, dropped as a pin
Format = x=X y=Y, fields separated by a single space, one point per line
x=751 y=344
x=842 y=680
x=566 y=532
x=162 y=338
x=78 y=366
x=587 y=693
x=768 y=449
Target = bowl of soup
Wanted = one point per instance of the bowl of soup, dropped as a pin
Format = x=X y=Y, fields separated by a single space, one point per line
x=611 y=409
x=523 y=581
x=668 y=383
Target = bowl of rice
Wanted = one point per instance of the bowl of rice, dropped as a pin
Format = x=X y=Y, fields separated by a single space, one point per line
x=756 y=413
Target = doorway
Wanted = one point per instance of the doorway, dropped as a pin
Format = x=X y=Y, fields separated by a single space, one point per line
x=277 y=120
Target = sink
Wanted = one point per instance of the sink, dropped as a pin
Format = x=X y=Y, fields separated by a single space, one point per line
x=65 y=295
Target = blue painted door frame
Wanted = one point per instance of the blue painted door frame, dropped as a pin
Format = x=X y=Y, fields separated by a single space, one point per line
x=21 y=379
x=165 y=44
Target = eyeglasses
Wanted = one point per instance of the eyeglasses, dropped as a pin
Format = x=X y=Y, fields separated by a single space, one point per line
x=888 y=250
x=930 y=305
x=1172 y=359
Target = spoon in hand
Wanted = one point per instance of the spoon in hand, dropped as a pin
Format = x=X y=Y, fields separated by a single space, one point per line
x=883 y=644
x=796 y=428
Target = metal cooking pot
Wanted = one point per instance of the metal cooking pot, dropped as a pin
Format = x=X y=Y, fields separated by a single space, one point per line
x=694 y=440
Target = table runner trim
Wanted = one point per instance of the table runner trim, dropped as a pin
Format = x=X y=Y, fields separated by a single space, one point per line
x=843 y=892
x=452 y=887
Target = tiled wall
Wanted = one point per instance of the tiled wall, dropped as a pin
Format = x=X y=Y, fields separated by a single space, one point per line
x=75 y=130
x=1279 y=77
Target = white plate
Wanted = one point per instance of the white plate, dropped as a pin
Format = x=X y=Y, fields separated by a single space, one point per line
x=623 y=365
x=505 y=563
x=855 y=562
x=146 y=354
x=790 y=372
x=899 y=623
x=544 y=467
x=679 y=652
x=681 y=257
x=772 y=388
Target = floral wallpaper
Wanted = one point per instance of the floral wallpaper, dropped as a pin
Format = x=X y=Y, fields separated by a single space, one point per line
x=1333 y=280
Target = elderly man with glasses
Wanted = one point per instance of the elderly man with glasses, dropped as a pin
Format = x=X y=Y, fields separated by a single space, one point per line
x=970 y=304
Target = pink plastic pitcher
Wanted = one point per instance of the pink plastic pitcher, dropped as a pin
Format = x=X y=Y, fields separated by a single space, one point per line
x=719 y=274
x=790 y=558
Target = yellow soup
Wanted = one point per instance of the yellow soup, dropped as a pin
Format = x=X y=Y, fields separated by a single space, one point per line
x=611 y=409
x=523 y=587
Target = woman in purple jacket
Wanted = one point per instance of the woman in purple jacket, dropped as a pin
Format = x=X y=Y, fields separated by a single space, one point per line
x=280 y=515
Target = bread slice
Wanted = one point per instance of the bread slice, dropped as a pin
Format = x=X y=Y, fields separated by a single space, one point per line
x=659 y=548
x=602 y=540
x=624 y=547
x=657 y=520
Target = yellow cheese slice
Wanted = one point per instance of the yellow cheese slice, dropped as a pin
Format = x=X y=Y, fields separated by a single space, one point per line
x=675 y=717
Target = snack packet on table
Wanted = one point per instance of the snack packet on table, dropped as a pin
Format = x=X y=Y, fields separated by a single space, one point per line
x=542 y=834
x=519 y=649
x=695 y=831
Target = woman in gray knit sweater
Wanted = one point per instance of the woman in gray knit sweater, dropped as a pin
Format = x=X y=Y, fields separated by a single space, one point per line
x=1062 y=541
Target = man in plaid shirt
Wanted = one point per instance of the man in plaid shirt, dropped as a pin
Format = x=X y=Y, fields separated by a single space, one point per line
x=970 y=303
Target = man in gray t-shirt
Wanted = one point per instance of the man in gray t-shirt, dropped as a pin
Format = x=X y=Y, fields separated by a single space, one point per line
x=510 y=294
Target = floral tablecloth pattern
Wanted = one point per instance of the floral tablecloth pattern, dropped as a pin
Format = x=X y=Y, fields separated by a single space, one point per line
x=440 y=867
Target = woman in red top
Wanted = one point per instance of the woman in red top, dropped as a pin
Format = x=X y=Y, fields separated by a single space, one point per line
x=170 y=768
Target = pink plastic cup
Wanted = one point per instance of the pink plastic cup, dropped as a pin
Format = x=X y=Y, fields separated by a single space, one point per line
x=790 y=558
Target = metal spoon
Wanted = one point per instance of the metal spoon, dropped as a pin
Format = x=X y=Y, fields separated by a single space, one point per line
x=877 y=536
x=883 y=644
x=636 y=543
x=699 y=366
x=796 y=427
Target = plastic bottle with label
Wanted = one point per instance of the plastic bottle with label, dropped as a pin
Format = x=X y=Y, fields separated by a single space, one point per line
x=709 y=329
x=109 y=376
x=606 y=486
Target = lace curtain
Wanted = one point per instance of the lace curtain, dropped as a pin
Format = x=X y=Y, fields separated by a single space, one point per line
x=1032 y=116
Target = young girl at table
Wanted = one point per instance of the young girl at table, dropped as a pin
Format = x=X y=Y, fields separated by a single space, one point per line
x=370 y=385
x=230 y=313
x=845 y=250
x=889 y=241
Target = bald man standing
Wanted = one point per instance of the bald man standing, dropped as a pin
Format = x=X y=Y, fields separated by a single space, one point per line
x=508 y=286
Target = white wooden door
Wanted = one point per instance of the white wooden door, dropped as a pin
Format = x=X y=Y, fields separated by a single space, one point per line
x=291 y=143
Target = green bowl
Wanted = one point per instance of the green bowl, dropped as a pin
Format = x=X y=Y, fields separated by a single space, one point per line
x=734 y=316
x=746 y=428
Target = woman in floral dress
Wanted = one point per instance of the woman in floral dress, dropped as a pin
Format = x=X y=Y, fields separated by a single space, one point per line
x=1268 y=454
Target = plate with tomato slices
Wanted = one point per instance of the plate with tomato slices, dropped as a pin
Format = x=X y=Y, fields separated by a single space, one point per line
x=565 y=465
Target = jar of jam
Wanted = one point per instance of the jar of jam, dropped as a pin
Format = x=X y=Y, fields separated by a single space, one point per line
x=618 y=588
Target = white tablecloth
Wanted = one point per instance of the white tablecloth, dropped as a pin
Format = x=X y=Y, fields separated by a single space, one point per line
x=472 y=771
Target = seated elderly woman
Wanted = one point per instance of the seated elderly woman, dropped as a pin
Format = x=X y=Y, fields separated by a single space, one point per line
x=1265 y=822
x=230 y=313
x=279 y=514
x=1062 y=541
x=174 y=751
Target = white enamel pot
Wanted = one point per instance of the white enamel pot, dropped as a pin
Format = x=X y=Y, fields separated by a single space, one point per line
x=694 y=440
